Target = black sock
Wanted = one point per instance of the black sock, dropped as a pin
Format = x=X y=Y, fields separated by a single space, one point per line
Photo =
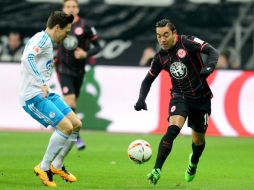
x=165 y=145
x=197 y=151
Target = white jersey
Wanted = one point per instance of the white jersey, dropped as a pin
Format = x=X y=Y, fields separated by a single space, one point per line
x=36 y=66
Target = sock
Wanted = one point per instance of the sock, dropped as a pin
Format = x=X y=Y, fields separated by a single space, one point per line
x=165 y=145
x=197 y=151
x=56 y=143
x=58 y=161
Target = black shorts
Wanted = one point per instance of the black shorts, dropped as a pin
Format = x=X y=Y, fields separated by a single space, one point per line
x=197 y=112
x=70 y=84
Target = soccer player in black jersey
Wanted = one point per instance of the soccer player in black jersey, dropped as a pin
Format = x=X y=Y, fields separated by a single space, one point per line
x=72 y=57
x=190 y=94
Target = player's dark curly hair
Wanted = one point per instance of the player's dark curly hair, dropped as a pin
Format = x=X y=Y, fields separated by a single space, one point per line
x=59 y=17
x=166 y=22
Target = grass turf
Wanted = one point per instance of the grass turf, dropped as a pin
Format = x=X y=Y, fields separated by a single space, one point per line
x=227 y=163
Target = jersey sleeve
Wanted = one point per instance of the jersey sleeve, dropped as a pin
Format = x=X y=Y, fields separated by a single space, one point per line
x=194 y=44
x=91 y=32
x=33 y=50
x=93 y=38
x=156 y=66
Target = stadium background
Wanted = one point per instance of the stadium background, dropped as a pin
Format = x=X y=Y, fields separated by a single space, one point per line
x=125 y=30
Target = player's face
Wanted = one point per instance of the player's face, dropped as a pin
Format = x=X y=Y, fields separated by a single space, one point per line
x=61 y=33
x=71 y=7
x=165 y=37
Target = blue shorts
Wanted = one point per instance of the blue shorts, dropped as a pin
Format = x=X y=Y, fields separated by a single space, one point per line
x=47 y=111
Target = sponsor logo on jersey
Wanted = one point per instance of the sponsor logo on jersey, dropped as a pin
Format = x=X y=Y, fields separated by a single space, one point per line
x=36 y=49
x=198 y=41
x=70 y=42
x=78 y=31
x=181 y=53
x=178 y=70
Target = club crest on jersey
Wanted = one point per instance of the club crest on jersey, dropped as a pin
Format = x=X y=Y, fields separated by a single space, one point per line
x=70 y=42
x=65 y=89
x=181 y=53
x=49 y=66
x=178 y=70
x=52 y=114
x=78 y=31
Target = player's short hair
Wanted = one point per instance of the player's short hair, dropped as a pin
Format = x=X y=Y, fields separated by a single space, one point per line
x=70 y=0
x=60 y=18
x=166 y=22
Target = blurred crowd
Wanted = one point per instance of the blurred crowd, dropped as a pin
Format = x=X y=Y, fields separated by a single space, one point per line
x=12 y=46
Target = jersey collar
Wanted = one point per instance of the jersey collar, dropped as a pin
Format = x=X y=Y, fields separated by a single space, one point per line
x=53 y=43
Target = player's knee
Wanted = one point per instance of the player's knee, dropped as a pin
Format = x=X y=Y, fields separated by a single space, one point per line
x=68 y=129
x=77 y=125
x=65 y=126
x=198 y=141
x=198 y=138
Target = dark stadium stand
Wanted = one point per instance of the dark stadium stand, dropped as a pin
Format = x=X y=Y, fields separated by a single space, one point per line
x=211 y=21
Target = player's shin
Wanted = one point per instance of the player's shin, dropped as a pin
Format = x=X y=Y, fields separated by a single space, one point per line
x=58 y=161
x=197 y=152
x=166 y=144
x=56 y=144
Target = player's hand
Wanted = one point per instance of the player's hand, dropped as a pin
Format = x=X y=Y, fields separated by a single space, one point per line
x=140 y=105
x=80 y=53
x=206 y=71
x=45 y=91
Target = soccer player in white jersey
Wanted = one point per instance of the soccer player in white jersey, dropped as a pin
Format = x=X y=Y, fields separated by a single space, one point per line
x=44 y=105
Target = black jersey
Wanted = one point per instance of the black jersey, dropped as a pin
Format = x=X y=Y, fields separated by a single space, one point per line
x=81 y=36
x=184 y=63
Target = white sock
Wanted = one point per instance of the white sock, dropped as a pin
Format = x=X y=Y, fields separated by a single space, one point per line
x=58 y=161
x=56 y=143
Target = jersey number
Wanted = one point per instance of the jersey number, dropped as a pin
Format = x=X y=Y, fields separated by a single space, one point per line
x=206 y=119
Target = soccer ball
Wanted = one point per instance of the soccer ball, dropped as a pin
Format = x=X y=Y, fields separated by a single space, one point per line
x=139 y=151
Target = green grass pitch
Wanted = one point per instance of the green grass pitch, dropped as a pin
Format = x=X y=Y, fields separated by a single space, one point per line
x=227 y=163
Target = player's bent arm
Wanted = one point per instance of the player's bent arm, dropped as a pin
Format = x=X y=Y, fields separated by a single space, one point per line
x=30 y=64
x=92 y=34
x=212 y=56
x=96 y=49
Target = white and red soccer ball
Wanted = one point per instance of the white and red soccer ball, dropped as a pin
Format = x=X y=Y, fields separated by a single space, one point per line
x=139 y=151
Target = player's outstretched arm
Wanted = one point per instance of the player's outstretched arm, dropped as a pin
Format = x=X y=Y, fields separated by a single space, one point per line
x=144 y=90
